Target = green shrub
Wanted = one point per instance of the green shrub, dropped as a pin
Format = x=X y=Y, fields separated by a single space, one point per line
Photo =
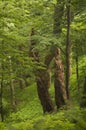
x=2 y=126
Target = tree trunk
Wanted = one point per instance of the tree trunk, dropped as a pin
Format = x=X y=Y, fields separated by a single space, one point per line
x=84 y=86
x=77 y=73
x=58 y=13
x=21 y=83
x=13 y=102
x=83 y=98
x=1 y=102
x=42 y=80
x=68 y=51
x=2 y=84
x=43 y=83
x=59 y=84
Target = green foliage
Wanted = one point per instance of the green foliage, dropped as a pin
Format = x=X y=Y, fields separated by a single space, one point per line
x=2 y=126
x=17 y=17
x=29 y=114
x=27 y=108
x=62 y=120
x=82 y=72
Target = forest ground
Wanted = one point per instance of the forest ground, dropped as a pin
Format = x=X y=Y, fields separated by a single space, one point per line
x=29 y=115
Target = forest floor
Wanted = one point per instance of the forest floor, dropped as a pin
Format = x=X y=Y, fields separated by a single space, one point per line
x=29 y=115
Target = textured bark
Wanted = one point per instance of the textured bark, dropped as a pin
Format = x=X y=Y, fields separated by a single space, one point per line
x=60 y=92
x=59 y=84
x=68 y=51
x=43 y=83
x=42 y=80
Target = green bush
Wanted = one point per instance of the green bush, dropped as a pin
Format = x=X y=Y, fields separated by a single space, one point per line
x=2 y=126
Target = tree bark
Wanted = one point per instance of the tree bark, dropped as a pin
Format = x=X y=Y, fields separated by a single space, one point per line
x=68 y=50
x=43 y=83
x=59 y=84
x=42 y=80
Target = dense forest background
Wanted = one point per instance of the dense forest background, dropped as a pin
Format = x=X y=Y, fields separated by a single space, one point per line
x=42 y=65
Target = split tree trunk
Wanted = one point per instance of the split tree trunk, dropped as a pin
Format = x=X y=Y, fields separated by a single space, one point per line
x=60 y=93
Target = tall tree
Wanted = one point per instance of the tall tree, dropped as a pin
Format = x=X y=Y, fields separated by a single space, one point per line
x=68 y=49
x=2 y=82
x=12 y=21
x=42 y=79
x=13 y=102
x=60 y=92
x=1 y=97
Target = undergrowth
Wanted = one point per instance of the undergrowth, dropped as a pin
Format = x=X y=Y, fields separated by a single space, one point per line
x=29 y=114
x=71 y=119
